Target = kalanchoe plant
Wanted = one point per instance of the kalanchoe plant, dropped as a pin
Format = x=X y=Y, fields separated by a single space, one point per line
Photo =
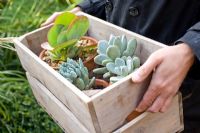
x=65 y=33
x=117 y=57
x=77 y=74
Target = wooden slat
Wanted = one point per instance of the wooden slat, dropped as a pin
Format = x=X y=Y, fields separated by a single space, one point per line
x=72 y=97
x=62 y=115
x=168 y=122
x=114 y=104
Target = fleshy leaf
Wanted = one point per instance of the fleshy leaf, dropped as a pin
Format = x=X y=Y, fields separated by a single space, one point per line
x=65 y=19
x=113 y=52
x=53 y=34
x=75 y=30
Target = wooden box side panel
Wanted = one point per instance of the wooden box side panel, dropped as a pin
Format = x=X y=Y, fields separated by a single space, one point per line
x=62 y=115
x=117 y=102
x=70 y=96
x=168 y=122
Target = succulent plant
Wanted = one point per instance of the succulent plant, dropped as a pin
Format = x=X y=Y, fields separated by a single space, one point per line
x=117 y=57
x=65 y=33
x=122 y=67
x=76 y=73
x=116 y=47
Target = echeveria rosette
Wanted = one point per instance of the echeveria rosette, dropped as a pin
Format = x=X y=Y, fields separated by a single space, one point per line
x=122 y=67
x=118 y=51
x=77 y=74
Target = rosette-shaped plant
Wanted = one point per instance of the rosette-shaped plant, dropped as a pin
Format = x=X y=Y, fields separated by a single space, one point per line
x=66 y=31
x=122 y=67
x=116 y=54
x=77 y=74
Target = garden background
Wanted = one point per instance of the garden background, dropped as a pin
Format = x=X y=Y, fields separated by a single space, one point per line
x=19 y=111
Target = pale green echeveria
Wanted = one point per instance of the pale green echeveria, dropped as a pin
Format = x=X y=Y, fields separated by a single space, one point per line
x=118 y=52
x=116 y=47
x=122 y=67
x=77 y=74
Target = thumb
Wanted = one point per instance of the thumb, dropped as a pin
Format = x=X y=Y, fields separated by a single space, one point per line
x=51 y=19
x=145 y=70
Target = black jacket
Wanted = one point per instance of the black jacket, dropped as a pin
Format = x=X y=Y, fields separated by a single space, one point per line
x=167 y=21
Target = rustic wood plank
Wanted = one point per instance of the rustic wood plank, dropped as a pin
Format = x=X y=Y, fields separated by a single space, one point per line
x=168 y=122
x=115 y=103
x=62 y=115
x=72 y=97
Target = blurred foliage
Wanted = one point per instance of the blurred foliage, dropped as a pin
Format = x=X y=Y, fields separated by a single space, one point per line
x=19 y=111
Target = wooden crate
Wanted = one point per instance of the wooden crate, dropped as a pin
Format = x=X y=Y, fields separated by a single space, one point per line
x=105 y=111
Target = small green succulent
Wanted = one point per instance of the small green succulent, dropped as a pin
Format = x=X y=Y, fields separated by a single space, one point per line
x=117 y=57
x=68 y=28
x=77 y=74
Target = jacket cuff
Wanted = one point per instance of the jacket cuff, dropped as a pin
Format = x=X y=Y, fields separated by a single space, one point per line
x=192 y=38
x=86 y=6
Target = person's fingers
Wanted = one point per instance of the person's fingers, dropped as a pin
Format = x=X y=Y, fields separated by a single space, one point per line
x=75 y=10
x=51 y=19
x=158 y=104
x=145 y=70
x=167 y=104
x=149 y=97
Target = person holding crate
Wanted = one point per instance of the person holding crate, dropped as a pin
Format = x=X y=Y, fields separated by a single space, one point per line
x=174 y=23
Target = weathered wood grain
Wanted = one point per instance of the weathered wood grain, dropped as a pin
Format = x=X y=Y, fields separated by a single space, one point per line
x=62 y=115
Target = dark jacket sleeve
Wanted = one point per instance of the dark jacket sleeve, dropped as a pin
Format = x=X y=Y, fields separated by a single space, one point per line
x=192 y=38
x=94 y=7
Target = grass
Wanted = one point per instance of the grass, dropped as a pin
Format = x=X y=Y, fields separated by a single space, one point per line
x=19 y=112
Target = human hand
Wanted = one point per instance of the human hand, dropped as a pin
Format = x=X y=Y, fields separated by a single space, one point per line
x=52 y=18
x=169 y=65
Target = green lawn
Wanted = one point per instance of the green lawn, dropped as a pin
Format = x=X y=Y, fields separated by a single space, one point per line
x=19 y=112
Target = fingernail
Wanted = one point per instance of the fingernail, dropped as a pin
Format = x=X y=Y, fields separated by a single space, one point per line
x=162 y=110
x=138 y=110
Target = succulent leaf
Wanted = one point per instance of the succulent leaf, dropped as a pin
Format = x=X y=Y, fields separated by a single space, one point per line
x=101 y=70
x=113 y=52
x=129 y=64
x=65 y=19
x=111 y=67
x=77 y=28
x=123 y=43
x=100 y=58
x=102 y=46
x=115 y=79
x=104 y=62
x=136 y=62
x=119 y=62
x=80 y=83
x=111 y=40
x=132 y=44
x=53 y=34
x=107 y=75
